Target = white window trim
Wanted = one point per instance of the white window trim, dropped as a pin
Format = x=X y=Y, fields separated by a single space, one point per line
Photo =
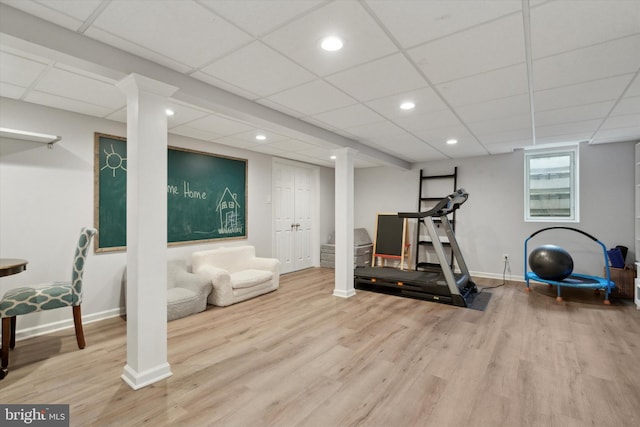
x=574 y=150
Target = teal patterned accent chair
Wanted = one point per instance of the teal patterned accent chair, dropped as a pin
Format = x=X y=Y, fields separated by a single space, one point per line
x=47 y=296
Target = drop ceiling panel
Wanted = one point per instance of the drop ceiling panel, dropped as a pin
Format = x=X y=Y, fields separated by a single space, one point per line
x=383 y=77
x=598 y=110
x=497 y=84
x=616 y=135
x=413 y=22
x=494 y=126
x=587 y=127
x=427 y=121
x=292 y=145
x=184 y=31
x=68 y=104
x=628 y=105
x=523 y=135
x=634 y=88
x=312 y=98
x=351 y=116
x=8 y=90
x=81 y=88
x=592 y=92
x=363 y=39
x=595 y=62
x=425 y=99
x=495 y=109
x=69 y=14
x=184 y=114
x=592 y=22
x=218 y=126
x=258 y=69
x=626 y=121
x=259 y=17
x=479 y=49
x=19 y=71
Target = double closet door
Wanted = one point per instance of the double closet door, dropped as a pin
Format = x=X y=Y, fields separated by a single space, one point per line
x=293 y=207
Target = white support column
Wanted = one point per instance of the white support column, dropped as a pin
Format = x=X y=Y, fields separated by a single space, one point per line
x=146 y=230
x=344 y=223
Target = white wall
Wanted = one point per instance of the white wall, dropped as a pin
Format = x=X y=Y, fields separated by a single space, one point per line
x=491 y=223
x=46 y=196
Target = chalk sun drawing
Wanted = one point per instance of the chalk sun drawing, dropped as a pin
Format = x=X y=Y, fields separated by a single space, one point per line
x=114 y=161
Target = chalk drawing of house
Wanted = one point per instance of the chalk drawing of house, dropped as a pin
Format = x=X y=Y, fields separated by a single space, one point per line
x=228 y=209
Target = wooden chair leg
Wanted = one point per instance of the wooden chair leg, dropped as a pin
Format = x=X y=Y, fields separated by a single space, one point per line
x=12 y=343
x=77 y=321
x=6 y=339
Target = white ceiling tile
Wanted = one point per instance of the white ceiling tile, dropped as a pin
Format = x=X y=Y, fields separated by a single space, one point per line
x=258 y=69
x=617 y=135
x=232 y=141
x=268 y=149
x=383 y=77
x=627 y=105
x=497 y=84
x=79 y=87
x=592 y=22
x=219 y=126
x=181 y=30
x=136 y=49
x=423 y=122
x=508 y=147
x=567 y=129
x=68 y=104
x=8 y=90
x=439 y=136
x=479 y=49
x=495 y=109
x=221 y=84
x=413 y=22
x=494 y=126
x=596 y=62
x=183 y=114
x=425 y=99
x=626 y=121
x=597 y=110
x=408 y=147
x=312 y=98
x=562 y=138
x=353 y=115
x=69 y=14
x=516 y=136
x=19 y=71
x=259 y=17
x=363 y=38
x=634 y=89
x=194 y=133
x=376 y=130
x=582 y=93
x=292 y=145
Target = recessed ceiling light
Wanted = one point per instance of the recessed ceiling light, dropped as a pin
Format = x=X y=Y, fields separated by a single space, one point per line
x=407 y=105
x=169 y=112
x=333 y=157
x=331 y=44
x=261 y=137
x=452 y=141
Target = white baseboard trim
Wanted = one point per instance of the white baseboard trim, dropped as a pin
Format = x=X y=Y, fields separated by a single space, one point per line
x=342 y=293
x=137 y=380
x=46 y=328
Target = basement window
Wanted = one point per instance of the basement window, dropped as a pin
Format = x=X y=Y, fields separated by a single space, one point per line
x=551 y=185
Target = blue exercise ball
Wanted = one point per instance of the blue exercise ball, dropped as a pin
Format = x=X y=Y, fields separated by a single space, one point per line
x=551 y=262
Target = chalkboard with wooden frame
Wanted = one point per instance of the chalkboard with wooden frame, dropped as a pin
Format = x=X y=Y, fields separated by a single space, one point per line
x=206 y=195
x=390 y=239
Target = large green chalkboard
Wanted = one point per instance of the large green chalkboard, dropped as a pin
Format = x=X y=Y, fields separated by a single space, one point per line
x=206 y=195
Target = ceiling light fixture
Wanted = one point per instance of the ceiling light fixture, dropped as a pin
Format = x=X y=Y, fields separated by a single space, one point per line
x=169 y=112
x=331 y=44
x=261 y=137
x=452 y=141
x=408 y=105
x=333 y=157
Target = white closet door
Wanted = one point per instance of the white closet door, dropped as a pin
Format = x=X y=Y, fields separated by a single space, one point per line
x=293 y=216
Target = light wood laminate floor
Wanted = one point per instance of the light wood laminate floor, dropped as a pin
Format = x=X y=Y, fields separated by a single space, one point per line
x=302 y=357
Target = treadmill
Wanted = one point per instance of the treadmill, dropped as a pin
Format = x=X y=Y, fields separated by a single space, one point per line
x=438 y=284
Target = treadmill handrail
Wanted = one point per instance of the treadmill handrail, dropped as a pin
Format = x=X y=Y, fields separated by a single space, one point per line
x=444 y=207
